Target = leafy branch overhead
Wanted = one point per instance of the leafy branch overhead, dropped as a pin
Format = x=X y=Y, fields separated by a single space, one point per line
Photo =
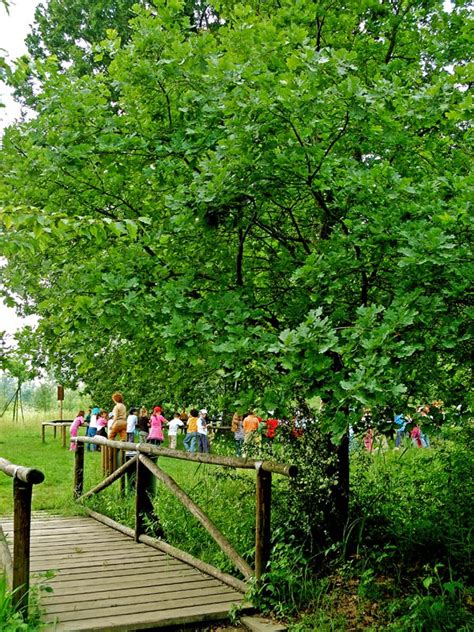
x=264 y=203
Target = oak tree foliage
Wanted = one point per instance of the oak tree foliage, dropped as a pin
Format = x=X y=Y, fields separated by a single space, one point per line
x=253 y=203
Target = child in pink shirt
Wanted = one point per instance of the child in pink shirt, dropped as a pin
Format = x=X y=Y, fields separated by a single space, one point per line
x=102 y=421
x=78 y=421
x=157 y=420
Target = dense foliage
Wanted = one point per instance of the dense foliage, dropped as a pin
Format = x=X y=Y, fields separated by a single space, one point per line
x=269 y=209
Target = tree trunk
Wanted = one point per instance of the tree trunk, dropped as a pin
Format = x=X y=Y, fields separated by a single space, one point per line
x=337 y=513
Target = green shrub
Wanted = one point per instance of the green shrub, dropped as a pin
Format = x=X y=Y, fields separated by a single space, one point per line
x=414 y=506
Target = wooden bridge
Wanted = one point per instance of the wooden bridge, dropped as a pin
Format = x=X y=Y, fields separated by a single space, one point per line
x=110 y=577
x=104 y=580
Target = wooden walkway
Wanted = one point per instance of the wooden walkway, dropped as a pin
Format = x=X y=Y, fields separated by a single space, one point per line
x=105 y=580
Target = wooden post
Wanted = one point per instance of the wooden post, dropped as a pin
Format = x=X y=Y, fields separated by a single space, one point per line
x=22 y=492
x=79 y=470
x=122 y=459
x=63 y=435
x=115 y=458
x=60 y=399
x=145 y=490
x=262 y=523
x=43 y=428
x=105 y=457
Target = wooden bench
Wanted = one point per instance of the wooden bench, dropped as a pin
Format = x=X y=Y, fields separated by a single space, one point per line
x=62 y=424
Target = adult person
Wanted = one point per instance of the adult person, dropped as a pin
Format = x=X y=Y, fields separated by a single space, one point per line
x=203 y=445
x=119 y=418
x=191 y=438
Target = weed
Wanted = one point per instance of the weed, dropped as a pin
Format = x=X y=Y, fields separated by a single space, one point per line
x=11 y=620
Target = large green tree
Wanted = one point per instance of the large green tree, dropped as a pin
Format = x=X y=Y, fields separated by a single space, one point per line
x=269 y=210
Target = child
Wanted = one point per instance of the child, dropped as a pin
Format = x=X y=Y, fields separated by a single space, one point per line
x=238 y=430
x=173 y=426
x=78 y=421
x=157 y=420
x=250 y=425
x=203 y=444
x=415 y=435
x=132 y=421
x=401 y=423
x=191 y=439
x=92 y=430
x=110 y=421
x=143 y=424
x=102 y=420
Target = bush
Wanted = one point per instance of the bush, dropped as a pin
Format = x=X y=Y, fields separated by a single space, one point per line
x=416 y=503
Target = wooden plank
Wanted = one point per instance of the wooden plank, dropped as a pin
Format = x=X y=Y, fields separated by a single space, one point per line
x=147 y=620
x=86 y=548
x=156 y=605
x=86 y=578
x=72 y=563
x=136 y=601
x=142 y=580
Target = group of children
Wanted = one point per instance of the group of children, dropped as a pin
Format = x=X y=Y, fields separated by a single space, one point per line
x=142 y=426
x=250 y=428
x=138 y=424
x=404 y=426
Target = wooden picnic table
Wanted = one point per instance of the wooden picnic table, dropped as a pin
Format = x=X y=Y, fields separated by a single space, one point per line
x=62 y=424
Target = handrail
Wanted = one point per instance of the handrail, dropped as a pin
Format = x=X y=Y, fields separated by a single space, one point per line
x=25 y=474
x=145 y=467
x=198 y=457
x=23 y=480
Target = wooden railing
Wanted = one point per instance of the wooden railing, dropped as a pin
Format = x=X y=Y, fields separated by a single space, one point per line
x=144 y=461
x=18 y=571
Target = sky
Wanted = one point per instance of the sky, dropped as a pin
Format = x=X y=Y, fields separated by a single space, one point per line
x=13 y=30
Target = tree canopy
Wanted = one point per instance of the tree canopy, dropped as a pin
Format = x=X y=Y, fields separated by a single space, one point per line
x=261 y=210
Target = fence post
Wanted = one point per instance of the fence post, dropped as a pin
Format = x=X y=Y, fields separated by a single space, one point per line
x=79 y=470
x=122 y=459
x=145 y=487
x=22 y=492
x=262 y=522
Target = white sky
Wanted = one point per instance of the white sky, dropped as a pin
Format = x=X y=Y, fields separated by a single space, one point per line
x=13 y=29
